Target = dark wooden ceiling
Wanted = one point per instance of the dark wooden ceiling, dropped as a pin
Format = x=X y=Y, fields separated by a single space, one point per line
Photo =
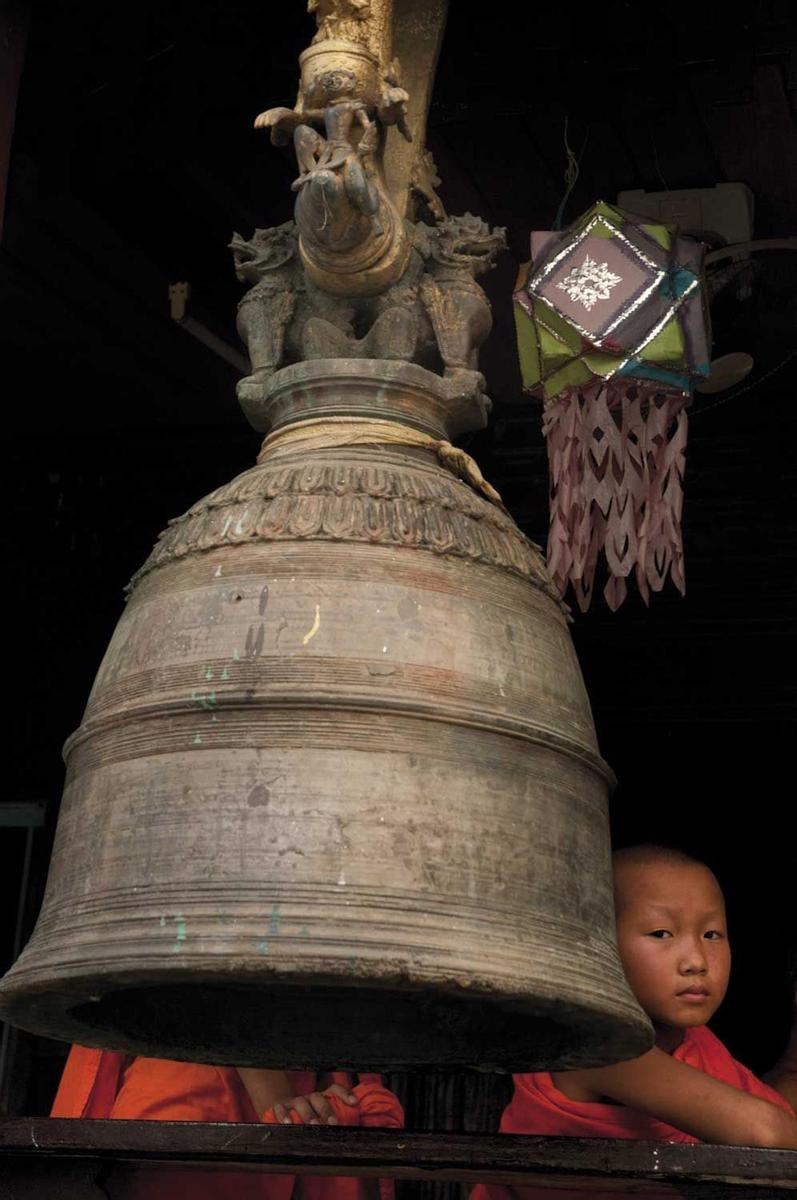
x=134 y=159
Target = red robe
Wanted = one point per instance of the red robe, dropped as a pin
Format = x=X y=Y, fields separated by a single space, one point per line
x=538 y=1107
x=103 y=1084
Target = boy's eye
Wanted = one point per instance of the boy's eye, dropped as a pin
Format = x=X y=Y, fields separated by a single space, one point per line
x=714 y=935
x=660 y=933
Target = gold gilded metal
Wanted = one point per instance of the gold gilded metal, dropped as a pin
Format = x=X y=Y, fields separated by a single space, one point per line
x=353 y=237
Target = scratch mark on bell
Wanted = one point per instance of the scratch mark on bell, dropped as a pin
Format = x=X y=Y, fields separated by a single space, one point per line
x=254 y=641
x=314 y=628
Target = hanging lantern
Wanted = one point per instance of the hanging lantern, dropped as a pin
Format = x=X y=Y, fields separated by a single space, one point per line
x=612 y=333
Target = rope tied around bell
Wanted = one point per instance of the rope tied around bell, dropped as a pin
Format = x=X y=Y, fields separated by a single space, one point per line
x=327 y=433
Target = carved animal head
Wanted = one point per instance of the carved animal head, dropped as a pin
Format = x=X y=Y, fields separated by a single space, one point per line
x=467 y=241
x=266 y=251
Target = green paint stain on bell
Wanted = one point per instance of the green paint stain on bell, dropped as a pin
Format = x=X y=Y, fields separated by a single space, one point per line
x=225 y=674
x=209 y=673
x=162 y=922
x=180 y=935
x=197 y=739
x=262 y=947
x=274 y=921
x=236 y=655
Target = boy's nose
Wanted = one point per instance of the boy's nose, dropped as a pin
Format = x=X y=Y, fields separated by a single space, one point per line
x=693 y=960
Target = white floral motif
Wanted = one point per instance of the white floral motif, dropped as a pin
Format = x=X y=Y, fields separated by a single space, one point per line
x=589 y=283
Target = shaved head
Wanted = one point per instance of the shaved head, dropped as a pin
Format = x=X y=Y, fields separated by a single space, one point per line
x=647 y=853
x=633 y=862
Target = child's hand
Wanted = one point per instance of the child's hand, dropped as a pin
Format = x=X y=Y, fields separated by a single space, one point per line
x=314 y=1109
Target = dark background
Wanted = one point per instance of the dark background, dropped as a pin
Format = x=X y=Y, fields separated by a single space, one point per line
x=134 y=159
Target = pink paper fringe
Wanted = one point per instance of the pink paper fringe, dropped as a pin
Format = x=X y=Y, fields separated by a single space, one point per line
x=616 y=454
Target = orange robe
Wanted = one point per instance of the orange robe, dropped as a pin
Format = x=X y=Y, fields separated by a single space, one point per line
x=103 y=1084
x=538 y=1107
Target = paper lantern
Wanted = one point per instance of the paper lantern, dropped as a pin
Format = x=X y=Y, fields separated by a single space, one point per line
x=612 y=333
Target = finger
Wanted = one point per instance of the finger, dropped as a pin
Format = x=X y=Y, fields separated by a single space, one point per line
x=323 y=1108
x=343 y=1093
x=282 y=1115
x=305 y=1111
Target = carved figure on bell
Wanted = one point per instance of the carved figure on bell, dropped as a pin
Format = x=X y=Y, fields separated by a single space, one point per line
x=346 y=20
x=274 y=312
x=333 y=165
x=460 y=249
x=435 y=314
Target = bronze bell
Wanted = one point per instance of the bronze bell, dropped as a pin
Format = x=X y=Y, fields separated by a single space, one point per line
x=336 y=798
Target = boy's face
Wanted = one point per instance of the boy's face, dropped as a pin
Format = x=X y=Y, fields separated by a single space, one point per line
x=673 y=940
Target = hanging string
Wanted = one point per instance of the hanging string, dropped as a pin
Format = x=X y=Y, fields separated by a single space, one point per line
x=572 y=170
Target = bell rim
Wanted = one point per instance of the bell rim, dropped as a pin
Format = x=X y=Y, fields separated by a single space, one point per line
x=627 y=1031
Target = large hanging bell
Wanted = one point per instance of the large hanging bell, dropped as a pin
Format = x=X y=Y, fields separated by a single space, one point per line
x=336 y=797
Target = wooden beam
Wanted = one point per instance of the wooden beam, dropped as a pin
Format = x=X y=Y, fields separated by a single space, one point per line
x=588 y=1165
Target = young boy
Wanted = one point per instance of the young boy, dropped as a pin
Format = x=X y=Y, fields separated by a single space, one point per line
x=104 y=1084
x=673 y=942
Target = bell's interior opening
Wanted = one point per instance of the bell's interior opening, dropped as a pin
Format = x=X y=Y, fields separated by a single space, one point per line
x=344 y=1028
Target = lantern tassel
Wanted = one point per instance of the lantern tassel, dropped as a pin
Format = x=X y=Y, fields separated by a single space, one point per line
x=616 y=454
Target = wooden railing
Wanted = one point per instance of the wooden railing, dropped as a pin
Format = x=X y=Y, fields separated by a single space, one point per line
x=90 y=1160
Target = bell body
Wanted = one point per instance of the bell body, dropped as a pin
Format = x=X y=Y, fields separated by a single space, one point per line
x=336 y=797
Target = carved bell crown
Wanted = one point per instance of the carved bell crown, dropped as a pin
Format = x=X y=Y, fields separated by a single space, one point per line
x=336 y=798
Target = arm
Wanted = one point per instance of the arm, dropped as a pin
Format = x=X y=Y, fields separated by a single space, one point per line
x=272 y=1090
x=370 y=138
x=283 y=121
x=690 y=1100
